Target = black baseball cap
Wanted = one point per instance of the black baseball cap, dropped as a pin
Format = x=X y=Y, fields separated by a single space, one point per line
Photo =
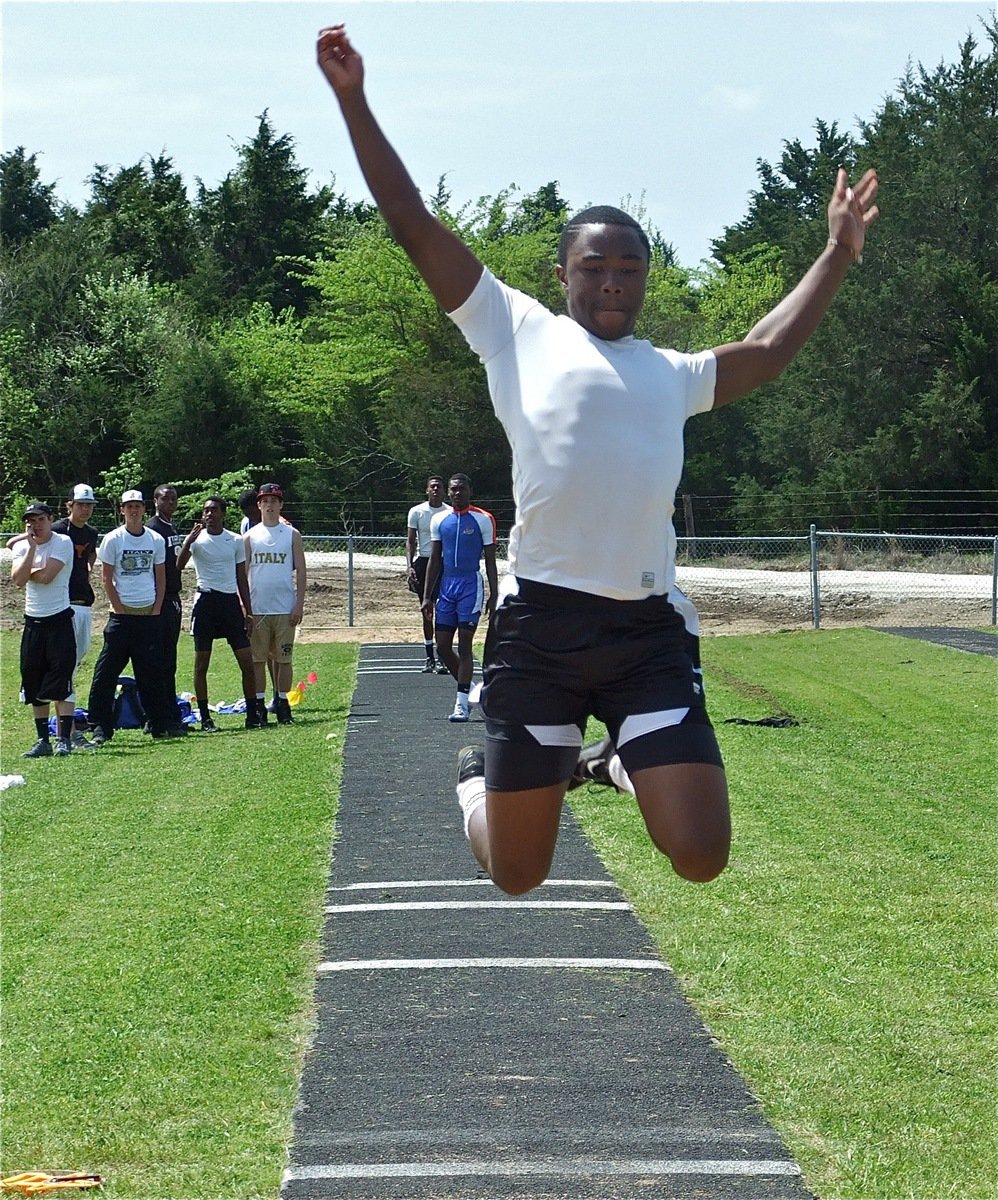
x=37 y=509
x=270 y=489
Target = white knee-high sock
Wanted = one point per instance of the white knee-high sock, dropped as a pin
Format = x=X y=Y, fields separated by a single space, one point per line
x=615 y=769
x=471 y=797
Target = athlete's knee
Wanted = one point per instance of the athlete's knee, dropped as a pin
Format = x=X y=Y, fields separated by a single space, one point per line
x=700 y=861
x=517 y=878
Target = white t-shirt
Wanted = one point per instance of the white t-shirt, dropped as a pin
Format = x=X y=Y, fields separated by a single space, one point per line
x=47 y=599
x=420 y=516
x=134 y=559
x=271 y=569
x=586 y=418
x=215 y=557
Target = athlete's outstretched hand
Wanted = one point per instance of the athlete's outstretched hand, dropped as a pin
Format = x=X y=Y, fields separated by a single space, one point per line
x=851 y=211
x=339 y=61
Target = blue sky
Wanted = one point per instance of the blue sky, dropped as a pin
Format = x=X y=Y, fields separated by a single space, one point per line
x=672 y=102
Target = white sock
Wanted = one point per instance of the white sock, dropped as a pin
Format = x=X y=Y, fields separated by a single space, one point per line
x=471 y=797
x=615 y=769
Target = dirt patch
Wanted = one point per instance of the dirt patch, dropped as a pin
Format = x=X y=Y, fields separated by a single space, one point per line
x=382 y=609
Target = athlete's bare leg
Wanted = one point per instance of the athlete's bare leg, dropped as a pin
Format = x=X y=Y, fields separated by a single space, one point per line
x=465 y=655
x=445 y=650
x=685 y=808
x=513 y=836
x=202 y=660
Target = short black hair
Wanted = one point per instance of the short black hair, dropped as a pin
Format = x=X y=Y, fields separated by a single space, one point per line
x=600 y=214
x=460 y=477
x=221 y=501
x=247 y=500
x=160 y=488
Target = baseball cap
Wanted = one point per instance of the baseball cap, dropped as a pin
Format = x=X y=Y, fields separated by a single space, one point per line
x=270 y=489
x=37 y=509
x=132 y=494
x=83 y=493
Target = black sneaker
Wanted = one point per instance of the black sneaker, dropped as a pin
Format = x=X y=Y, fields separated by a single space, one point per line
x=41 y=749
x=442 y=669
x=171 y=731
x=284 y=716
x=253 y=718
x=98 y=737
x=63 y=746
x=261 y=708
x=209 y=726
x=428 y=667
x=470 y=762
x=593 y=763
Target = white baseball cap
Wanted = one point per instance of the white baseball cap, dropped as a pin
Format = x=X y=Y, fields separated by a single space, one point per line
x=133 y=494
x=83 y=493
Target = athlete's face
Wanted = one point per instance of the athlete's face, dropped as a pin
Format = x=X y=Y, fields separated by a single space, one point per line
x=435 y=492
x=133 y=511
x=80 y=512
x=213 y=517
x=166 y=503
x=458 y=494
x=270 y=509
x=604 y=279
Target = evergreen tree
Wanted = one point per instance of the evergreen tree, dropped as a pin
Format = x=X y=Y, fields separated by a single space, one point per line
x=260 y=224
x=27 y=206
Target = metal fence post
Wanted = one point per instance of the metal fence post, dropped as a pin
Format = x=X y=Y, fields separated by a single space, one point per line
x=815 y=591
x=350 y=580
x=994 y=586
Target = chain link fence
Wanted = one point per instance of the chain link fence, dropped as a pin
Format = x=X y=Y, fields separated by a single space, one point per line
x=823 y=578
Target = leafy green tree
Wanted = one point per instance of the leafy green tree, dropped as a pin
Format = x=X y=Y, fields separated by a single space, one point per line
x=27 y=206
x=146 y=218
x=260 y=223
x=201 y=415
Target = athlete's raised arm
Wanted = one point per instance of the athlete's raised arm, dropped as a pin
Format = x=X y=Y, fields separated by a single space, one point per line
x=448 y=266
x=771 y=344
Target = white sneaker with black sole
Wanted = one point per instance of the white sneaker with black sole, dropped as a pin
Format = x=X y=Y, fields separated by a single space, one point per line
x=462 y=708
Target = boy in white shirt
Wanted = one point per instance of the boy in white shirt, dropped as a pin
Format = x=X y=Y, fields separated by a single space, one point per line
x=42 y=564
x=222 y=608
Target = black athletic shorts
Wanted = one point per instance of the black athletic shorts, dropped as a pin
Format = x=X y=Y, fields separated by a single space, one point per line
x=218 y=615
x=554 y=657
x=48 y=658
x=419 y=565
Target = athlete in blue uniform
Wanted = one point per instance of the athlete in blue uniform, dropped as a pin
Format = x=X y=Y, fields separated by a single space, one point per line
x=460 y=539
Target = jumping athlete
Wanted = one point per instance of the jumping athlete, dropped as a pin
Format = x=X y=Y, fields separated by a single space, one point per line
x=585 y=627
x=417 y=555
x=459 y=539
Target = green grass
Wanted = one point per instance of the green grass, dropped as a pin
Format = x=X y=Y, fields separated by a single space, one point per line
x=845 y=960
x=162 y=903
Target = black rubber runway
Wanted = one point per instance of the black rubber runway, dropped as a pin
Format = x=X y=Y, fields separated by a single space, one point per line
x=969 y=640
x=473 y=1046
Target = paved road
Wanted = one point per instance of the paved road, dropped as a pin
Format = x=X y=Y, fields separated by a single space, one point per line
x=473 y=1046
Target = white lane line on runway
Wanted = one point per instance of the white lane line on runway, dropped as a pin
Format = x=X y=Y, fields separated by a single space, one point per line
x=432 y=964
x=428 y=905
x=389 y=884
x=556 y=1167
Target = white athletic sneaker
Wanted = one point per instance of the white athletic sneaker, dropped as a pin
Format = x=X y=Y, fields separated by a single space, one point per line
x=462 y=709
